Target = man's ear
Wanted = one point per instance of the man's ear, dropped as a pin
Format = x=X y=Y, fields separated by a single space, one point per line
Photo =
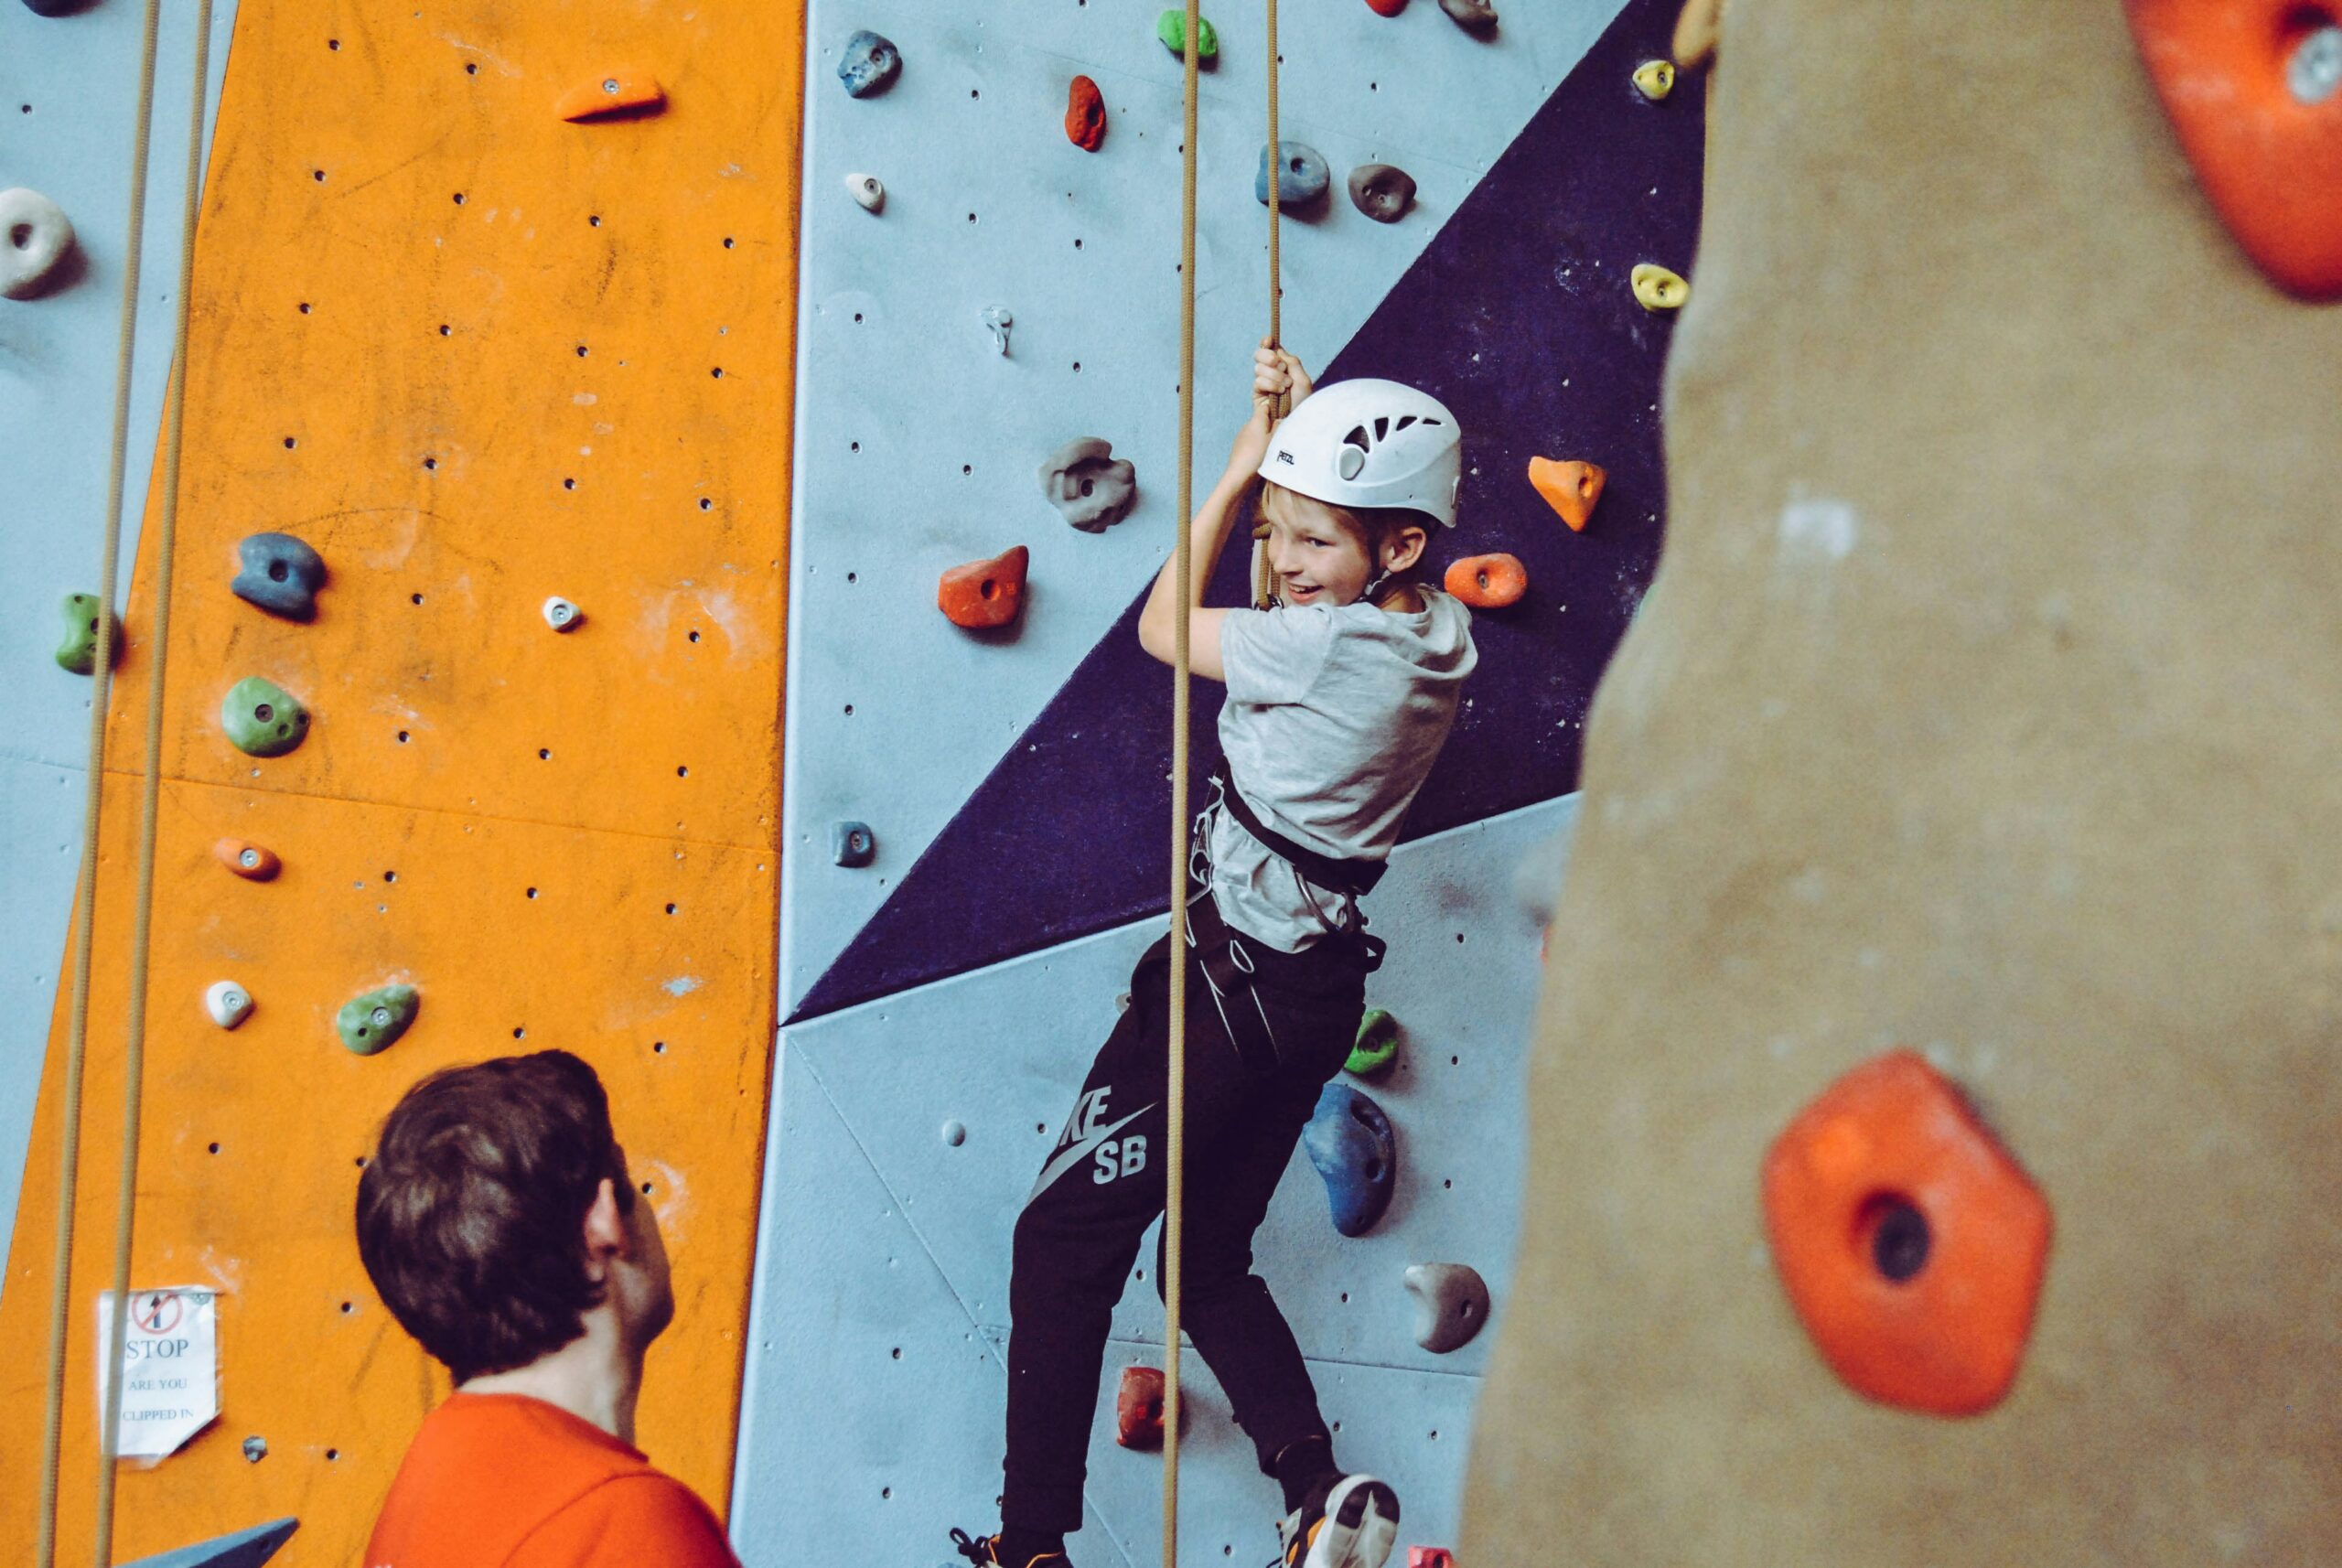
x=1405 y=548
x=606 y=1236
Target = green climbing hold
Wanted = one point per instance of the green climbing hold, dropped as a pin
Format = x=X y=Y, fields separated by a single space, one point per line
x=1378 y=1044
x=262 y=718
x=375 y=1020
x=79 y=652
x=1172 y=29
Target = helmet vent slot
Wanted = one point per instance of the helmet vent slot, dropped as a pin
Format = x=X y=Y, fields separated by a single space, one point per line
x=1381 y=428
x=1357 y=438
x=1404 y=421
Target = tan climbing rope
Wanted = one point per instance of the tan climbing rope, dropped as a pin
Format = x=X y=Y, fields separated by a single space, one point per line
x=1275 y=155
x=1183 y=556
x=134 y=1045
x=77 y=1030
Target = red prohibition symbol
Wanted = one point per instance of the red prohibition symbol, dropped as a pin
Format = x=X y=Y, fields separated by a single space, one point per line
x=158 y=1312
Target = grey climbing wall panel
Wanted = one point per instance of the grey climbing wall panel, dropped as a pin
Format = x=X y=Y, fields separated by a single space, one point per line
x=917 y=445
x=68 y=108
x=883 y=1261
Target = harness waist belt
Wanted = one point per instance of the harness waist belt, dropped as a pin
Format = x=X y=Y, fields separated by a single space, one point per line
x=1355 y=876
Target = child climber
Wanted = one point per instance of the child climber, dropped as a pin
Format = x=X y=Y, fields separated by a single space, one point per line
x=1338 y=701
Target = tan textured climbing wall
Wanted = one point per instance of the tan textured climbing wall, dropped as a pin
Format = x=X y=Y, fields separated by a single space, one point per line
x=476 y=355
x=1988 y=700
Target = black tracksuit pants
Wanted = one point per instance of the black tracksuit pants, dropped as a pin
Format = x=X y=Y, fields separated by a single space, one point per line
x=1078 y=1234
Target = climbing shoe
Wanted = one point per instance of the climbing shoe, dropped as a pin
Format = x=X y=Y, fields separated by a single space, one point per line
x=1351 y=1524
x=986 y=1551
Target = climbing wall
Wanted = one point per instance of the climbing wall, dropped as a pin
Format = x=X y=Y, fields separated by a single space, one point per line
x=68 y=92
x=943 y=998
x=477 y=357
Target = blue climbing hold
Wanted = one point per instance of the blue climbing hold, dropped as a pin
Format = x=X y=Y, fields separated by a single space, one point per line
x=869 y=63
x=282 y=575
x=242 y=1549
x=1351 y=1144
x=1302 y=174
x=852 y=843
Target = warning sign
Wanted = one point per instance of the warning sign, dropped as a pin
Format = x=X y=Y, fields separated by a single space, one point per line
x=170 y=1368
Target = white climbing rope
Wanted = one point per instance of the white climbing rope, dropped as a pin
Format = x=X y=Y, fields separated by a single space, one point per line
x=134 y=1049
x=77 y=1029
x=1183 y=556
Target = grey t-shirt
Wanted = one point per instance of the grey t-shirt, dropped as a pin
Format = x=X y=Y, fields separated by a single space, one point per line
x=1335 y=713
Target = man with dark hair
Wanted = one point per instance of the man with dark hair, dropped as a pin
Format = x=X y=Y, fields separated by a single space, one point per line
x=498 y=1223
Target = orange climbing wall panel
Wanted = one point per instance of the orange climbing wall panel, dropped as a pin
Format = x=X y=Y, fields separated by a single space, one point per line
x=477 y=356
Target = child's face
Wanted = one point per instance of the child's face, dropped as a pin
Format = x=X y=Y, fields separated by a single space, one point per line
x=1318 y=558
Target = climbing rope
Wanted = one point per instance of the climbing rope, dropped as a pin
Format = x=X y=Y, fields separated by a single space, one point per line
x=1261 y=575
x=1183 y=556
x=85 y=898
x=133 y=1047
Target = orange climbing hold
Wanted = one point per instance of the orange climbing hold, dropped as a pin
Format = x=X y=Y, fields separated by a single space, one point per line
x=984 y=593
x=1569 y=488
x=2254 y=88
x=614 y=92
x=1138 y=1409
x=1085 y=114
x=1910 y=1243
x=1488 y=582
x=249 y=861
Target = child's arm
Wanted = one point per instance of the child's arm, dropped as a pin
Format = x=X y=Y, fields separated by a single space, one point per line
x=1273 y=373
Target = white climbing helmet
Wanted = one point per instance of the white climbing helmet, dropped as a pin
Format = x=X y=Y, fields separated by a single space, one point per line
x=1370 y=443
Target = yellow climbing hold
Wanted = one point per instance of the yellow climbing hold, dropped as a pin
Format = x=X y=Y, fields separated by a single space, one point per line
x=1656 y=288
x=1656 y=78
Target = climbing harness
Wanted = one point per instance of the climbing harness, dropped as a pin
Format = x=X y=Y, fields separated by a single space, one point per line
x=78 y=1026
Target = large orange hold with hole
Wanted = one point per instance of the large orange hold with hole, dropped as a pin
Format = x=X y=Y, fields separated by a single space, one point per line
x=1571 y=489
x=985 y=594
x=2251 y=87
x=1488 y=582
x=1910 y=1243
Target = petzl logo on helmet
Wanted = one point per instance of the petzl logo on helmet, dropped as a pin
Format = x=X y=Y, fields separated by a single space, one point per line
x=1285 y=457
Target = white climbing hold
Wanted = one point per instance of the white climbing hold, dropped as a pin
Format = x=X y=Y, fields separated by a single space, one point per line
x=997 y=321
x=1451 y=1304
x=956 y=1132
x=561 y=614
x=866 y=190
x=34 y=237
x=228 y=1003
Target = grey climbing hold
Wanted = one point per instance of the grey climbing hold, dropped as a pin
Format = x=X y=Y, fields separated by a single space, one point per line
x=561 y=614
x=255 y=1449
x=34 y=237
x=997 y=321
x=262 y=718
x=956 y=1132
x=1091 y=487
x=281 y=574
x=1351 y=1142
x=1381 y=192
x=79 y=652
x=228 y=1003
x=375 y=1021
x=1451 y=1304
x=2313 y=71
x=242 y=1549
x=1302 y=174
x=869 y=63
x=867 y=191
x=1472 y=14
x=852 y=843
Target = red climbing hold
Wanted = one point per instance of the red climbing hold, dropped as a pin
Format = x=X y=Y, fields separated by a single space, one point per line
x=2254 y=88
x=1910 y=1243
x=1488 y=582
x=1386 y=8
x=984 y=593
x=1429 y=1557
x=1138 y=1409
x=614 y=93
x=249 y=861
x=1085 y=114
x=1571 y=489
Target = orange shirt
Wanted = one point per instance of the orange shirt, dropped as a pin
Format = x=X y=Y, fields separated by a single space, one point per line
x=507 y=1481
